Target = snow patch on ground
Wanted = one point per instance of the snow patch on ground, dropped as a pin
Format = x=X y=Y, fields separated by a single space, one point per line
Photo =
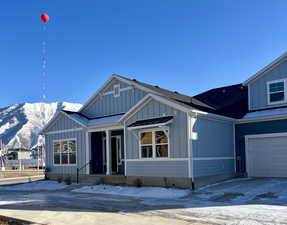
x=35 y=186
x=142 y=192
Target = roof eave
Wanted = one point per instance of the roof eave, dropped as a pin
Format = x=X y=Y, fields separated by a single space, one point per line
x=265 y=69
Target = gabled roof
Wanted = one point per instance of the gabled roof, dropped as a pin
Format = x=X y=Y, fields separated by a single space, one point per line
x=231 y=104
x=56 y=116
x=266 y=68
x=154 y=89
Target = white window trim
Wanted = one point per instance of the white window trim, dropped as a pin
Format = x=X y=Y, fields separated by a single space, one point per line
x=165 y=130
x=268 y=91
x=119 y=92
x=61 y=140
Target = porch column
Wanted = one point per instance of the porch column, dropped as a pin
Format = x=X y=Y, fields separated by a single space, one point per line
x=108 y=149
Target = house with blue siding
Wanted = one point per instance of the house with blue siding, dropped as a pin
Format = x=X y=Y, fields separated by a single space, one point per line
x=261 y=134
x=134 y=133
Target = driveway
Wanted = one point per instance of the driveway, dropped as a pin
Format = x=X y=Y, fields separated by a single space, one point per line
x=239 y=201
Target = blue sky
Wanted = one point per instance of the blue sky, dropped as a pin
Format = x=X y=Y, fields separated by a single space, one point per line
x=189 y=46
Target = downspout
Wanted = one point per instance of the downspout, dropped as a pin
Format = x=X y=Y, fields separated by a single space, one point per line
x=191 y=119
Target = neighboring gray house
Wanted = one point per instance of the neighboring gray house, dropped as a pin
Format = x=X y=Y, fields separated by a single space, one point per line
x=134 y=133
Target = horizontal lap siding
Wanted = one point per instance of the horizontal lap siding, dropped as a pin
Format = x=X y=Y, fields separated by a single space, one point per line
x=63 y=122
x=258 y=88
x=80 y=137
x=109 y=105
x=214 y=139
x=158 y=168
x=213 y=167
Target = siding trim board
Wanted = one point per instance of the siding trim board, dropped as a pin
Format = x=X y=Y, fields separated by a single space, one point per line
x=64 y=131
x=114 y=76
x=212 y=158
x=55 y=118
x=261 y=119
x=283 y=134
x=156 y=159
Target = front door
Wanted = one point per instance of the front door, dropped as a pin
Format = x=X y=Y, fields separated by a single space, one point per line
x=116 y=153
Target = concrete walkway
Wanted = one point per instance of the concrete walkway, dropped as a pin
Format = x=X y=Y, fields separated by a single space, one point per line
x=98 y=218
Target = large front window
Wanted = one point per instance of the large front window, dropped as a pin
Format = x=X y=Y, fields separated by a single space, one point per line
x=154 y=144
x=276 y=91
x=65 y=152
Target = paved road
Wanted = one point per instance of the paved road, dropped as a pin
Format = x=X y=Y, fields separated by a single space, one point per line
x=62 y=206
x=238 y=202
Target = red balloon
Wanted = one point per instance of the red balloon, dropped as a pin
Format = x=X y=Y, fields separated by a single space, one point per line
x=45 y=17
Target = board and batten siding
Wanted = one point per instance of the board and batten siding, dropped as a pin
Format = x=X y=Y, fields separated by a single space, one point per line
x=64 y=123
x=177 y=144
x=258 y=88
x=215 y=139
x=105 y=105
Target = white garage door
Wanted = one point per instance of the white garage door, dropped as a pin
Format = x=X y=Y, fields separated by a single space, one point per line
x=266 y=156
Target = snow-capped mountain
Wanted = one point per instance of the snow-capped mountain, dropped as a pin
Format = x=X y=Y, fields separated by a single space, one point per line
x=20 y=124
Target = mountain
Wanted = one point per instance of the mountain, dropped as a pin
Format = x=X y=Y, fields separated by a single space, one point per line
x=20 y=124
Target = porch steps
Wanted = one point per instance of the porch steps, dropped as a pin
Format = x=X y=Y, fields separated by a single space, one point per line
x=102 y=179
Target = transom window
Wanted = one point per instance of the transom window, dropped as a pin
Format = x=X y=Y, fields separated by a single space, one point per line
x=65 y=152
x=276 y=91
x=154 y=144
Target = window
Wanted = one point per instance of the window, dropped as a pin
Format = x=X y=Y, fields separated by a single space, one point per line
x=154 y=144
x=117 y=90
x=276 y=91
x=65 y=152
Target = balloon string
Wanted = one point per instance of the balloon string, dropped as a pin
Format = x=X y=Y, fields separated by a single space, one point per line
x=44 y=65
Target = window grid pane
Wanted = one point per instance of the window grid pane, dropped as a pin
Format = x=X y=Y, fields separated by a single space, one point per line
x=65 y=152
x=160 y=137
x=146 y=151
x=146 y=138
x=276 y=87
x=275 y=97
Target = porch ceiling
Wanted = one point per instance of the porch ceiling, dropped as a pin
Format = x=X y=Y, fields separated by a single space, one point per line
x=95 y=122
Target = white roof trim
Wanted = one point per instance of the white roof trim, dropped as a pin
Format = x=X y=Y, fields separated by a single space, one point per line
x=261 y=119
x=51 y=121
x=138 y=105
x=160 y=99
x=212 y=115
x=265 y=69
x=81 y=124
x=91 y=99
x=151 y=125
x=96 y=94
x=55 y=118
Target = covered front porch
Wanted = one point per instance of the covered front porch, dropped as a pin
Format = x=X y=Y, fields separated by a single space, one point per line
x=107 y=152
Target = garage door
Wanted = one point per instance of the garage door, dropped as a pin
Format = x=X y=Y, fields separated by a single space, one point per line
x=266 y=156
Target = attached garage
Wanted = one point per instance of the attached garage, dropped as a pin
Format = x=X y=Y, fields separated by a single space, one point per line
x=266 y=155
